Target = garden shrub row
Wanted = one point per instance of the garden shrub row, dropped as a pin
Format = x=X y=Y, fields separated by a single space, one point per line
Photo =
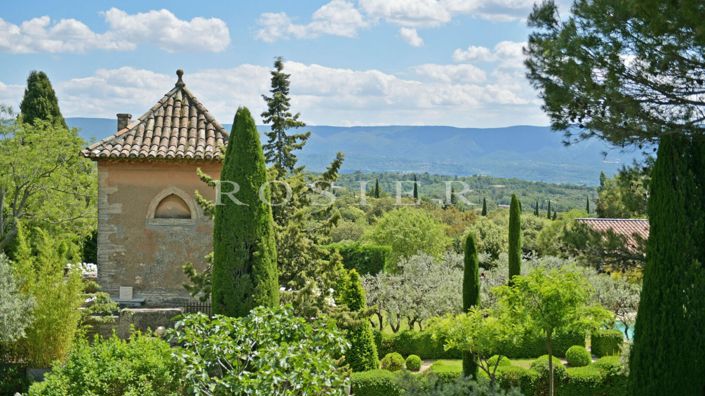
x=422 y=343
x=602 y=378
x=364 y=258
x=607 y=342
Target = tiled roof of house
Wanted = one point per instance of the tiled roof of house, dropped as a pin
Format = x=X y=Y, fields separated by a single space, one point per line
x=627 y=227
x=177 y=127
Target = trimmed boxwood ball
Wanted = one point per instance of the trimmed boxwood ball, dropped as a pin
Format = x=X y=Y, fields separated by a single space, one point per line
x=392 y=362
x=578 y=356
x=413 y=363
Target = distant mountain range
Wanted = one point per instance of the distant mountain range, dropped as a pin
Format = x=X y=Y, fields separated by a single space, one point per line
x=524 y=152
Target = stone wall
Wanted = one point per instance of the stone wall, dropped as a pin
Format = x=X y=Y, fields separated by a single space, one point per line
x=141 y=252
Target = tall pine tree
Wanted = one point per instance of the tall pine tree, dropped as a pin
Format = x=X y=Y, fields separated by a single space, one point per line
x=376 y=191
x=587 y=205
x=244 y=250
x=536 y=208
x=471 y=295
x=484 y=207
x=672 y=305
x=280 y=146
x=514 y=238
x=40 y=102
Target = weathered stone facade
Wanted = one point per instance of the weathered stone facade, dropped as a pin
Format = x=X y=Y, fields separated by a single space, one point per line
x=135 y=248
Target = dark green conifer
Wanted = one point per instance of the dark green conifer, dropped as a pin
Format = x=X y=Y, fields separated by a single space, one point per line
x=555 y=215
x=548 y=211
x=587 y=205
x=484 y=207
x=244 y=250
x=514 y=238
x=281 y=145
x=40 y=102
x=416 y=189
x=362 y=355
x=672 y=306
x=471 y=296
x=376 y=191
x=536 y=208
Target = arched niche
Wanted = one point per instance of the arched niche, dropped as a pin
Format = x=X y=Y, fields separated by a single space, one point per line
x=172 y=206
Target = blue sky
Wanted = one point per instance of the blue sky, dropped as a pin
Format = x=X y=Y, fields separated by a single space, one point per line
x=353 y=62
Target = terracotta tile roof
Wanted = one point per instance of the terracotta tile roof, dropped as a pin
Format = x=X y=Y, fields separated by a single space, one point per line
x=627 y=227
x=177 y=127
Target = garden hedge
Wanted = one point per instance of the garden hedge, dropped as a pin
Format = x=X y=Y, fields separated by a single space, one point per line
x=364 y=258
x=607 y=342
x=422 y=343
x=375 y=383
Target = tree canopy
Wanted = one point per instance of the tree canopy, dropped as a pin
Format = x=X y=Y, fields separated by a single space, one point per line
x=625 y=71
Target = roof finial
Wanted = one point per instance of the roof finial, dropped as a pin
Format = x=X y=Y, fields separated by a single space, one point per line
x=180 y=82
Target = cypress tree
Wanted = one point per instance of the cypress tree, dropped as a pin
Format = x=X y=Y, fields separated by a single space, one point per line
x=672 y=305
x=40 y=102
x=484 y=207
x=416 y=189
x=536 y=208
x=453 y=198
x=555 y=215
x=548 y=212
x=244 y=249
x=376 y=191
x=471 y=295
x=587 y=205
x=362 y=355
x=514 y=238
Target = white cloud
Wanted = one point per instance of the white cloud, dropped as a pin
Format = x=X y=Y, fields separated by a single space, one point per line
x=337 y=18
x=429 y=13
x=451 y=73
x=460 y=94
x=126 y=31
x=508 y=54
x=411 y=36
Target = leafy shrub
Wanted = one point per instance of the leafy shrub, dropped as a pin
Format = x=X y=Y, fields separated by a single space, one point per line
x=607 y=342
x=413 y=363
x=515 y=377
x=582 y=381
x=15 y=307
x=13 y=379
x=375 y=383
x=610 y=364
x=540 y=365
x=364 y=258
x=58 y=297
x=446 y=366
x=504 y=361
x=270 y=351
x=392 y=362
x=113 y=367
x=578 y=356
